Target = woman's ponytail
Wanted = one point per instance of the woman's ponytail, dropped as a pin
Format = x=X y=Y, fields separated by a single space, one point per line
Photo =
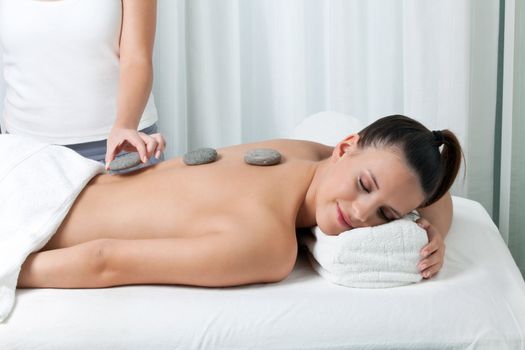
x=451 y=156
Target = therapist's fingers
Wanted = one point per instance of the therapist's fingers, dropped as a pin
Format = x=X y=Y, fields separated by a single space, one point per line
x=112 y=149
x=161 y=144
x=138 y=144
x=133 y=142
x=151 y=144
x=123 y=139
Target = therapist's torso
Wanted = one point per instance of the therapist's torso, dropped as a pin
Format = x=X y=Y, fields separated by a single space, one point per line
x=61 y=68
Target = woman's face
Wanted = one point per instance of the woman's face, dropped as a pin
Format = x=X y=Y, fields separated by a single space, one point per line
x=365 y=187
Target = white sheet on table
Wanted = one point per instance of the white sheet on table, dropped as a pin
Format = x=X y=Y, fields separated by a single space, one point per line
x=476 y=301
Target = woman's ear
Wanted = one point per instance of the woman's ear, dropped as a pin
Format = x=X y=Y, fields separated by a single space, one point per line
x=347 y=146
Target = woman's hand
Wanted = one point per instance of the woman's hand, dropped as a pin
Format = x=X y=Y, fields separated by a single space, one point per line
x=433 y=253
x=131 y=140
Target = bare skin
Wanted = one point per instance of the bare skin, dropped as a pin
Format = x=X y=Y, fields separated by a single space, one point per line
x=136 y=43
x=225 y=223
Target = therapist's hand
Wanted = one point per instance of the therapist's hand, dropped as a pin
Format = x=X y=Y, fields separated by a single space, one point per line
x=432 y=254
x=131 y=140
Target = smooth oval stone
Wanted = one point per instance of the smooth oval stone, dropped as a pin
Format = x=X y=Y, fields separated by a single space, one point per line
x=200 y=156
x=126 y=161
x=262 y=156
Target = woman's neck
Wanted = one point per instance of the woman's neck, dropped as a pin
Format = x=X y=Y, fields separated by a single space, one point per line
x=306 y=213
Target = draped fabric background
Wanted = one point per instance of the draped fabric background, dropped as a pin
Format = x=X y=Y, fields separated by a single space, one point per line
x=235 y=71
x=512 y=199
x=2 y=90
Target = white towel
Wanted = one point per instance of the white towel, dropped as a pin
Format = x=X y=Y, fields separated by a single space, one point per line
x=369 y=257
x=38 y=185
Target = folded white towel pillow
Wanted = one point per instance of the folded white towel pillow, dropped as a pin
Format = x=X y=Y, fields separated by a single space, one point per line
x=370 y=257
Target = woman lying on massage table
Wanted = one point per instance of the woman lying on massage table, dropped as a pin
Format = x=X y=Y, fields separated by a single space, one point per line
x=228 y=223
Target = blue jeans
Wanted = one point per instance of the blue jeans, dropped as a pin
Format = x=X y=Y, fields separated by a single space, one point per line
x=96 y=150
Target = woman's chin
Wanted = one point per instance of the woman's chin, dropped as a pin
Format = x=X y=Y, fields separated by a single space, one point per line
x=328 y=229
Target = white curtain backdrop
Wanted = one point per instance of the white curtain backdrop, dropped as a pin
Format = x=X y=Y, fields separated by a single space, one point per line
x=235 y=71
x=512 y=196
x=2 y=91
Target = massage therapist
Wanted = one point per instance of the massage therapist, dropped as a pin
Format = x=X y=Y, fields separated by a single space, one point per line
x=79 y=73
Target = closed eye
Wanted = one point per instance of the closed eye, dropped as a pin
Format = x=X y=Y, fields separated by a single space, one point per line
x=380 y=212
x=360 y=182
x=383 y=215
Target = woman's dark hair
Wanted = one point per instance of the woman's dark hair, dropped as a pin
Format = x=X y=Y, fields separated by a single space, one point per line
x=435 y=169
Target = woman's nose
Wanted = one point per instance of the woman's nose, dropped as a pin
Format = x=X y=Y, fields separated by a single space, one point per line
x=362 y=210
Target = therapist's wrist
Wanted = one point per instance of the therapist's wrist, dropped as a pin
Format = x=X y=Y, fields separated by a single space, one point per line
x=125 y=124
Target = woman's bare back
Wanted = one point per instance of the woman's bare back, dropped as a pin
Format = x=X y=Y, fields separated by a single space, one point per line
x=172 y=199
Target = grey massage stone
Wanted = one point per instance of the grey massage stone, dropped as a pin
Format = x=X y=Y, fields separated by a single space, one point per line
x=124 y=162
x=262 y=156
x=200 y=156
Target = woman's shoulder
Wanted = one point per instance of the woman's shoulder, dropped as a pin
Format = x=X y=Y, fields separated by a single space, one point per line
x=302 y=149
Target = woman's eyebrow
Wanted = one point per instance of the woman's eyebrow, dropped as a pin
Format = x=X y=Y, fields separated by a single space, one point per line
x=377 y=186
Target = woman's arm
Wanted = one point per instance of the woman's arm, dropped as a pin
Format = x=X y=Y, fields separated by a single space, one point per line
x=211 y=259
x=136 y=76
x=439 y=214
x=436 y=220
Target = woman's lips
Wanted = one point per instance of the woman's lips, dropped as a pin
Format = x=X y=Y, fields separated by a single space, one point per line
x=343 y=220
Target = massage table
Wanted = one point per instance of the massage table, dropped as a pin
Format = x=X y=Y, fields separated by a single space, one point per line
x=477 y=301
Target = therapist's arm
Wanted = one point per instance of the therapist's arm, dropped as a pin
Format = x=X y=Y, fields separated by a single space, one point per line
x=136 y=77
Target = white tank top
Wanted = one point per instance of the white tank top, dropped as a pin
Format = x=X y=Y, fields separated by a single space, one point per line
x=61 y=68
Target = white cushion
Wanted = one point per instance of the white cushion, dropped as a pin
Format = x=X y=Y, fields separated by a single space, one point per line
x=326 y=127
